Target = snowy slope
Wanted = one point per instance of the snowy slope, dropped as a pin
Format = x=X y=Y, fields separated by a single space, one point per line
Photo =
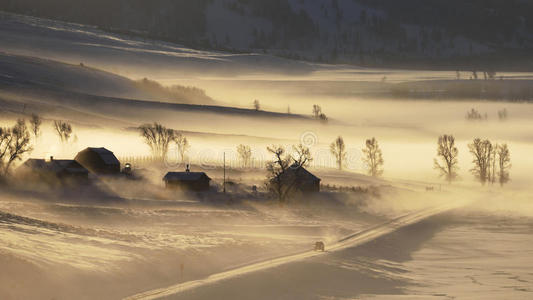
x=130 y=56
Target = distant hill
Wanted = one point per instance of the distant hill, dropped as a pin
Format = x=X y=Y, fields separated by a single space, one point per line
x=52 y=88
x=455 y=34
x=84 y=79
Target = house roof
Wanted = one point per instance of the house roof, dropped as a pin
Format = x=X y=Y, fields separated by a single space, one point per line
x=55 y=166
x=107 y=156
x=185 y=176
x=301 y=172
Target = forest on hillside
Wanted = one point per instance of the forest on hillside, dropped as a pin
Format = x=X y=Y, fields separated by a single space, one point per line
x=366 y=32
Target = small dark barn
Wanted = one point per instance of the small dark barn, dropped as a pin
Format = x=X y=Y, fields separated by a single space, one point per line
x=99 y=161
x=54 y=171
x=301 y=179
x=187 y=181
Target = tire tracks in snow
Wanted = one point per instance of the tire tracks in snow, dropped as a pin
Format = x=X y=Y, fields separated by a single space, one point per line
x=350 y=241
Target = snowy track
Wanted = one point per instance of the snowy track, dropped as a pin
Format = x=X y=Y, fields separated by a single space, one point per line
x=354 y=240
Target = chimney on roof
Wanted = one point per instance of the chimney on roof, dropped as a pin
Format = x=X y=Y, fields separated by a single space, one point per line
x=187 y=170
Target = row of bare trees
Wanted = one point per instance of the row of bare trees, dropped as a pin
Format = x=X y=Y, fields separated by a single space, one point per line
x=474 y=115
x=317 y=111
x=159 y=138
x=491 y=161
x=281 y=183
x=372 y=155
x=63 y=129
x=16 y=141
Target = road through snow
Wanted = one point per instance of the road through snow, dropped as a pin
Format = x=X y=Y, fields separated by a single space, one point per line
x=354 y=240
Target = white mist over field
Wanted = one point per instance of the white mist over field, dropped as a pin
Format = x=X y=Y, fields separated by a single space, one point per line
x=117 y=237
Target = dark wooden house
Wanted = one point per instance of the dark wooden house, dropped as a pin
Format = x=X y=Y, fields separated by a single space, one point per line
x=99 y=161
x=187 y=181
x=300 y=179
x=54 y=171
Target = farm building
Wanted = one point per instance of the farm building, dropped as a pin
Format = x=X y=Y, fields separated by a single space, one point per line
x=301 y=179
x=54 y=170
x=187 y=181
x=99 y=161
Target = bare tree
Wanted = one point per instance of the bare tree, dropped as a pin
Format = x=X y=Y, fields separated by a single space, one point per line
x=491 y=170
x=6 y=138
x=373 y=158
x=183 y=145
x=279 y=181
x=35 y=123
x=474 y=115
x=245 y=154
x=158 y=138
x=63 y=130
x=502 y=114
x=318 y=114
x=317 y=110
x=14 y=143
x=338 y=149
x=257 y=105
x=481 y=151
x=301 y=155
x=276 y=169
x=504 y=163
x=447 y=153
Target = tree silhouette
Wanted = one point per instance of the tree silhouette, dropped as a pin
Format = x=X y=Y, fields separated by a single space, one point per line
x=35 y=123
x=158 y=138
x=447 y=153
x=245 y=154
x=373 y=158
x=63 y=130
x=338 y=149
x=318 y=114
x=504 y=163
x=280 y=182
x=317 y=110
x=301 y=155
x=502 y=114
x=14 y=143
x=183 y=145
x=481 y=151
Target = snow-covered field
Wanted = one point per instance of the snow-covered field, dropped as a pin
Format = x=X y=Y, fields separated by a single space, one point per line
x=118 y=239
x=454 y=256
x=108 y=248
